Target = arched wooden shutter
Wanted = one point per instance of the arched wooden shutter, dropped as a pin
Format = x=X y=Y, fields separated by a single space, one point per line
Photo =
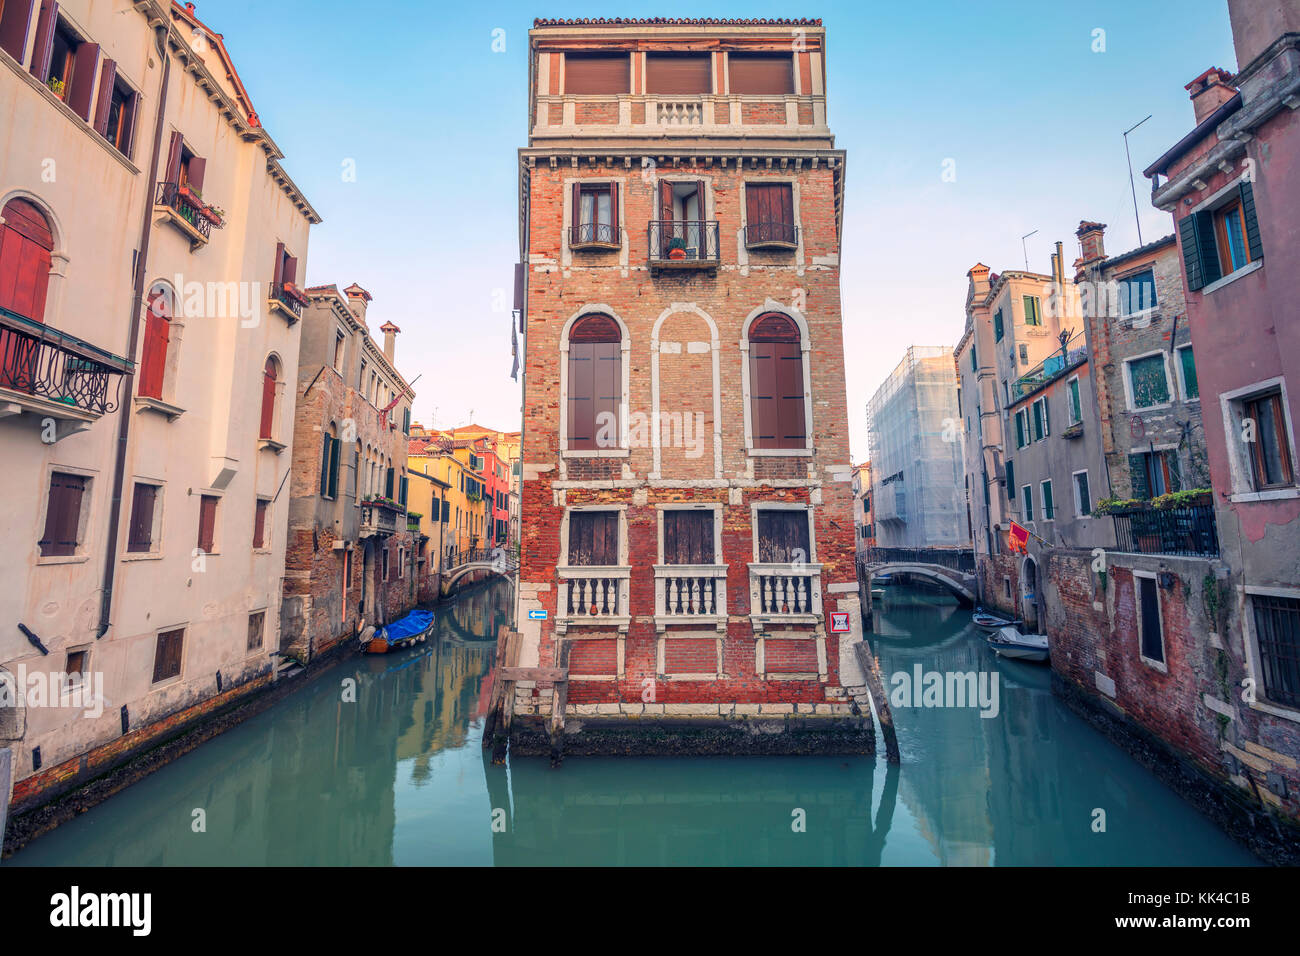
x=157 y=332
x=25 y=246
x=776 y=383
x=595 y=383
x=268 y=399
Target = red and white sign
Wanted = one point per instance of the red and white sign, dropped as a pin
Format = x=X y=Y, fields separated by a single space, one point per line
x=839 y=622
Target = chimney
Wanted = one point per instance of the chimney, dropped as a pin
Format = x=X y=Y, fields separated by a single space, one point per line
x=1210 y=90
x=1091 y=247
x=358 y=299
x=390 y=341
x=979 y=278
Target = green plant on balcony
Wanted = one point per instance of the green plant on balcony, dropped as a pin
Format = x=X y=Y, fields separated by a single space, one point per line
x=1182 y=499
x=57 y=87
x=1111 y=506
x=676 y=248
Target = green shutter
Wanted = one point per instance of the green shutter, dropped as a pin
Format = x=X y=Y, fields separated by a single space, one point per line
x=1137 y=470
x=1020 y=431
x=1011 y=479
x=335 y=446
x=1187 y=238
x=1049 y=503
x=997 y=326
x=1191 y=388
x=326 y=446
x=1047 y=419
x=1252 y=224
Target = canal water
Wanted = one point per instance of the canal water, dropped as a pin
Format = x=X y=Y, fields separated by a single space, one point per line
x=399 y=778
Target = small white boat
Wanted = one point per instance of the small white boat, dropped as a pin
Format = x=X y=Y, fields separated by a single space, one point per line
x=988 y=621
x=1009 y=642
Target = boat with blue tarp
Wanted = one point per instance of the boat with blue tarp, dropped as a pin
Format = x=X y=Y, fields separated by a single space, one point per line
x=412 y=629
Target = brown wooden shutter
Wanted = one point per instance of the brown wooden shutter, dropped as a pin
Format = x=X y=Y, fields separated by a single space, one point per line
x=174 y=158
x=44 y=49
x=575 y=213
x=167 y=656
x=593 y=538
x=104 y=102
x=143 y=498
x=582 y=395
x=790 y=406
x=82 y=92
x=207 y=522
x=688 y=537
x=754 y=196
x=259 y=523
x=762 y=395
x=783 y=536
x=613 y=212
x=195 y=172
x=268 y=399
x=290 y=269
x=153 y=361
x=761 y=74
x=520 y=280
x=14 y=21
x=62 y=515
x=130 y=111
x=278 y=277
x=596 y=73
x=676 y=74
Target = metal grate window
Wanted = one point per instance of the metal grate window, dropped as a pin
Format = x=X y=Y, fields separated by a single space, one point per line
x=1277 y=631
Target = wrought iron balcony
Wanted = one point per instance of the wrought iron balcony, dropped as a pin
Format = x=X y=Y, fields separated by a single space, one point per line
x=47 y=371
x=380 y=517
x=1188 y=531
x=684 y=243
x=597 y=234
x=1072 y=354
x=781 y=235
x=188 y=210
x=288 y=299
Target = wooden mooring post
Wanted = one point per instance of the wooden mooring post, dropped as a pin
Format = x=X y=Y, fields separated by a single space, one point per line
x=501 y=703
x=871 y=668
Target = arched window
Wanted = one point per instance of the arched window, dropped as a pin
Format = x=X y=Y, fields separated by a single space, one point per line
x=776 y=386
x=157 y=336
x=270 y=376
x=329 y=463
x=595 y=383
x=26 y=242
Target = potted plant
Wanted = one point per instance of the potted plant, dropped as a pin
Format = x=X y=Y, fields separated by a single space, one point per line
x=56 y=87
x=676 y=248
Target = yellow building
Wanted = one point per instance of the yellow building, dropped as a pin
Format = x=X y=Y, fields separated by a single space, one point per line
x=460 y=485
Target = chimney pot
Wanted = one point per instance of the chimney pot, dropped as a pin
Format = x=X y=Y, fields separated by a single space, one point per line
x=1090 y=236
x=1209 y=91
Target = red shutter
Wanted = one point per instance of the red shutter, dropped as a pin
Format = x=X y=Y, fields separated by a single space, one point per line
x=174 y=158
x=104 y=103
x=268 y=399
x=195 y=171
x=44 y=48
x=259 y=524
x=278 y=278
x=753 y=207
x=207 y=522
x=82 y=92
x=290 y=270
x=613 y=211
x=25 y=246
x=153 y=362
x=129 y=112
x=14 y=21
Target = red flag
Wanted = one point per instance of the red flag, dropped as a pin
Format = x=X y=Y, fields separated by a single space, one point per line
x=1019 y=538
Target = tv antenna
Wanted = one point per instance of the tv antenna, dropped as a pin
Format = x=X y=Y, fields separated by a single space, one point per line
x=1132 y=188
x=1024 y=248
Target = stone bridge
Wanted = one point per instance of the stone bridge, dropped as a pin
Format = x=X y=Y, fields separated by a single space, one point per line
x=493 y=560
x=951 y=568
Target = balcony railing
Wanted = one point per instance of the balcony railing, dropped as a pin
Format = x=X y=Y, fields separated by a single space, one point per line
x=954 y=558
x=183 y=203
x=785 y=593
x=1190 y=531
x=596 y=595
x=683 y=112
x=288 y=297
x=684 y=243
x=1070 y=355
x=594 y=234
x=44 y=363
x=781 y=234
x=380 y=517
x=691 y=594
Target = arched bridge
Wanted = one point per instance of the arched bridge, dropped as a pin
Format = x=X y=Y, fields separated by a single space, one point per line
x=949 y=567
x=494 y=560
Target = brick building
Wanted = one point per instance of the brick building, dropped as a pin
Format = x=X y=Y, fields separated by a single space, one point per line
x=688 y=524
x=352 y=562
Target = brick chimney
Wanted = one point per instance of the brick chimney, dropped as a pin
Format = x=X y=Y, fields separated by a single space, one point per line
x=979 y=279
x=1091 y=247
x=390 y=340
x=358 y=299
x=1210 y=90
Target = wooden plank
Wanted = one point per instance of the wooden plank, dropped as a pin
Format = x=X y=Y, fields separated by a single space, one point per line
x=533 y=673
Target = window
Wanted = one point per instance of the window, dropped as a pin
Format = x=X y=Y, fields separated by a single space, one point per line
x=597 y=73
x=1277 y=638
x=63 y=511
x=1082 y=495
x=595 y=214
x=1270 y=452
x=1022 y=428
x=593 y=538
x=270 y=374
x=260 y=511
x=1137 y=292
x=1151 y=638
x=681 y=226
x=76 y=667
x=595 y=383
x=1218 y=241
x=680 y=74
x=329 y=463
x=974 y=361
x=760 y=74
x=64 y=62
x=167 y=655
x=384 y=569
x=1024 y=355
x=256 y=630
x=1027 y=502
x=116 y=112
x=15 y=19
x=783 y=536
x=1073 y=402
x=185 y=169
x=1011 y=482
x=1148 y=381
x=1187 y=372
x=144 y=518
x=207 y=522
x=1033 y=311
x=339 y=346
x=1154 y=473
x=1049 y=505
x=769 y=214
x=688 y=536
x=1042 y=427
x=997 y=326
x=157 y=337
x=776 y=385
x=26 y=243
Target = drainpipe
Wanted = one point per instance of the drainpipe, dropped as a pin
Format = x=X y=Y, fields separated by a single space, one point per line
x=137 y=297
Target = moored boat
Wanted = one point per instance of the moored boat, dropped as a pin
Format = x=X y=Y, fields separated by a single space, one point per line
x=411 y=629
x=1009 y=642
x=989 y=621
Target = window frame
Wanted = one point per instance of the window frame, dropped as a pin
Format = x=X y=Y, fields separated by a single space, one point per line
x=1232 y=406
x=577 y=188
x=756 y=506
x=1129 y=397
x=1159 y=665
x=81 y=551
x=625 y=350
x=714 y=508
x=1027 y=502
x=250 y=648
x=1047 y=498
x=1074 y=400
x=1033 y=316
x=1182 y=373
x=1253 y=659
x=1041 y=422
x=770 y=241
x=154 y=551
x=1079 y=510
x=623 y=561
x=747 y=385
x=1125 y=300
x=158 y=682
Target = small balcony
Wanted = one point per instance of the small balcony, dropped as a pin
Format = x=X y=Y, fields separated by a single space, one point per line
x=771 y=235
x=1189 y=531
x=51 y=374
x=692 y=594
x=381 y=517
x=187 y=211
x=785 y=594
x=1072 y=353
x=288 y=300
x=683 y=244
x=595 y=235
x=593 y=596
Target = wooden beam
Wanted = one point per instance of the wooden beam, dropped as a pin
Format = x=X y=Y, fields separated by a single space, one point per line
x=533 y=673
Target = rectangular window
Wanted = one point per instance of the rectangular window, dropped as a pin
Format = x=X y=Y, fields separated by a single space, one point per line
x=207 y=522
x=769 y=214
x=167 y=655
x=261 y=508
x=1082 y=495
x=997 y=326
x=1137 y=293
x=256 y=629
x=144 y=503
x=1073 y=401
x=1049 y=504
x=1154 y=473
x=1147 y=381
x=597 y=73
x=1277 y=637
x=1042 y=427
x=688 y=536
x=1024 y=354
x=1011 y=482
x=1187 y=368
x=1027 y=502
x=1022 y=428
x=63 y=515
x=593 y=538
x=1033 y=312
x=783 y=536
x=1270 y=452
x=595 y=214
x=1217 y=242
x=679 y=74
x=760 y=74
x=384 y=561
x=339 y=345
x=1151 y=638
x=118 y=113
x=777 y=415
x=76 y=667
x=1230 y=231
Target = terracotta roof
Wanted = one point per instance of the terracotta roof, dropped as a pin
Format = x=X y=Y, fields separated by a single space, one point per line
x=355 y=289
x=417 y=446
x=676 y=21
x=186 y=12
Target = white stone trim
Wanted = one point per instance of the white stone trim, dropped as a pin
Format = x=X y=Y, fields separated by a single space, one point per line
x=1170 y=384
x=1162 y=666
x=1243 y=482
x=624 y=357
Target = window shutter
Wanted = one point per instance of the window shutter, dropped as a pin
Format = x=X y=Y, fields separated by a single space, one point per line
x=259 y=523
x=665 y=200
x=25 y=246
x=679 y=74
x=1208 y=246
x=44 y=40
x=327 y=447
x=613 y=211
x=1191 y=253
x=704 y=213
x=83 y=79
x=290 y=273
x=575 y=215
x=62 y=515
x=104 y=100
x=153 y=362
x=207 y=522
x=14 y=21
x=1137 y=469
x=335 y=452
x=131 y=110
x=688 y=537
x=753 y=204
x=761 y=74
x=268 y=399
x=1047 y=421
x=790 y=405
x=1011 y=480
x=596 y=73
x=1252 y=224
x=195 y=172
x=1020 y=431
x=174 y=158
x=388 y=483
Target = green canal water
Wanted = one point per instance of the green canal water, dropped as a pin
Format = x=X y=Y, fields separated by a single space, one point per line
x=399 y=778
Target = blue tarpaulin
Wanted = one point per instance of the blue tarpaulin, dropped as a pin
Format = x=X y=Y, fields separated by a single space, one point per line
x=417 y=622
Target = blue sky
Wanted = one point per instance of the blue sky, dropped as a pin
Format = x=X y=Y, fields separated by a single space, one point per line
x=1011 y=91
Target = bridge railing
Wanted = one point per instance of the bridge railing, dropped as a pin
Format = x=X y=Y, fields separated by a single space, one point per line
x=952 y=558
x=456 y=559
